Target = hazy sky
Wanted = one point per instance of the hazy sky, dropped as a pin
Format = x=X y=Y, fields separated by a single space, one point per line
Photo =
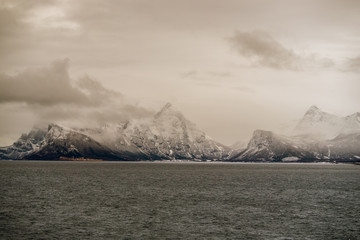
x=230 y=66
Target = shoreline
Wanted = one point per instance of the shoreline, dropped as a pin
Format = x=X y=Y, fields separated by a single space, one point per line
x=182 y=162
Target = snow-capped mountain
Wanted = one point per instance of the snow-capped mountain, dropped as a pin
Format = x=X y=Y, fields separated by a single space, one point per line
x=321 y=137
x=25 y=145
x=167 y=135
x=351 y=124
x=323 y=125
x=55 y=142
x=320 y=124
x=268 y=146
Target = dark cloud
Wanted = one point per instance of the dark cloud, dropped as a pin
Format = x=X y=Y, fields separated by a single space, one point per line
x=49 y=94
x=264 y=50
x=46 y=86
x=52 y=85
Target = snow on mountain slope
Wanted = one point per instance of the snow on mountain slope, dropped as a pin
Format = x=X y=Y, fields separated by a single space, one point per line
x=319 y=136
x=268 y=146
x=26 y=144
x=181 y=138
x=60 y=141
x=167 y=135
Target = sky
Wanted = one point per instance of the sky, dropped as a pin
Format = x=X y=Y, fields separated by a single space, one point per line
x=229 y=66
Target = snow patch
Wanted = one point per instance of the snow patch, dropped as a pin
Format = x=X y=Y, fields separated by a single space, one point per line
x=290 y=159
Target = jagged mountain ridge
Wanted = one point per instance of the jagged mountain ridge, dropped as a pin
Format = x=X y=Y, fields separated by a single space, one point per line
x=268 y=146
x=323 y=125
x=55 y=142
x=167 y=135
x=313 y=142
x=25 y=145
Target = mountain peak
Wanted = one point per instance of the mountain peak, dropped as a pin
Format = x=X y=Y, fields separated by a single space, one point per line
x=262 y=133
x=54 y=125
x=167 y=108
x=313 y=109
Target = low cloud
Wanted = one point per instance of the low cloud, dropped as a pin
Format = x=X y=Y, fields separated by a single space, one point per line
x=51 y=95
x=52 y=85
x=46 y=86
x=96 y=92
x=264 y=50
x=189 y=74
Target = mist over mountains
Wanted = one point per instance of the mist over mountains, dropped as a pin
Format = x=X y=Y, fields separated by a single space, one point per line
x=168 y=135
x=318 y=136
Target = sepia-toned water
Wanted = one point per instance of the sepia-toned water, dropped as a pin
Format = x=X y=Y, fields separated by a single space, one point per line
x=116 y=200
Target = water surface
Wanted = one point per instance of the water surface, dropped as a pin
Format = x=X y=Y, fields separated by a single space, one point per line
x=115 y=200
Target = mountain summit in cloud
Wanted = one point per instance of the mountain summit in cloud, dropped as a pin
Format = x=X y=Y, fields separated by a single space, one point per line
x=166 y=135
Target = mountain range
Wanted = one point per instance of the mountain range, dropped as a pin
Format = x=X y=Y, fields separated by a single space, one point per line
x=168 y=135
x=318 y=136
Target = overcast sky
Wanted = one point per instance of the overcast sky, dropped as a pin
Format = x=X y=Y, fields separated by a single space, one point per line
x=230 y=66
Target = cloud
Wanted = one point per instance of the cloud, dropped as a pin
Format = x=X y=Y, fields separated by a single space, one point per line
x=96 y=91
x=52 y=85
x=51 y=17
x=264 y=50
x=353 y=64
x=51 y=95
x=189 y=74
x=46 y=86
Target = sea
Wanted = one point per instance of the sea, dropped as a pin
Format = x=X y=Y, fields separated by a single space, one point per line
x=155 y=200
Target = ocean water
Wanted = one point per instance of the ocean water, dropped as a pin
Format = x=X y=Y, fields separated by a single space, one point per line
x=116 y=200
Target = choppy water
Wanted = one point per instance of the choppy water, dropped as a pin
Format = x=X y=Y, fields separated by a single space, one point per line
x=91 y=200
